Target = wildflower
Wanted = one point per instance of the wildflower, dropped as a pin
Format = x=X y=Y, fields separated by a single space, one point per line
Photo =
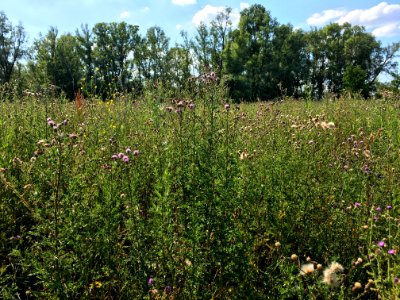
x=293 y=257
x=188 y=262
x=307 y=269
x=168 y=289
x=50 y=122
x=121 y=155
x=73 y=136
x=359 y=261
x=378 y=208
x=125 y=158
x=114 y=156
x=381 y=244
x=277 y=244
x=330 y=274
x=327 y=125
x=308 y=259
x=98 y=284
x=150 y=281
x=357 y=204
x=135 y=152
x=396 y=280
x=128 y=150
x=389 y=207
x=169 y=108
x=319 y=267
x=227 y=106
x=357 y=286
x=192 y=106
x=392 y=251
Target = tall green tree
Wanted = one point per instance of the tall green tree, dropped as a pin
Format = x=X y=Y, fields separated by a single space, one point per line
x=250 y=55
x=114 y=45
x=220 y=31
x=12 y=47
x=289 y=65
x=57 y=62
x=154 y=56
x=85 y=50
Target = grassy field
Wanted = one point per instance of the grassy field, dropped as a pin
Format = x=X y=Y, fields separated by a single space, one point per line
x=198 y=198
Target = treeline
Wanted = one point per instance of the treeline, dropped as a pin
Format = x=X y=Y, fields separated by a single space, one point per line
x=260 y=59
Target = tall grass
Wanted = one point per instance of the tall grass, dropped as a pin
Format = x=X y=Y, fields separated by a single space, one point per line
x=199 y=198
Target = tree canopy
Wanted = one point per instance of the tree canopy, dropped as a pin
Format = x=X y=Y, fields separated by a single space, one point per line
x=260 y=59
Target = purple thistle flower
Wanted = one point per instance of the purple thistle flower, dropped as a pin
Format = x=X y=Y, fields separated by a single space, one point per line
x=125 y=158
x=392 y=251
x=150 y=281
x=50 y=122
x=389 y=207
x=168 y=289
x=381 y=244
x=128 y=150
x=136 y=152
x=378 y=208
x=121 y=155
x=396 y=280
x=357 y=204
x=114 y=156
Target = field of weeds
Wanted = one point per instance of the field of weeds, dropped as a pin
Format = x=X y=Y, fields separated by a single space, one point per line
x=199 y=198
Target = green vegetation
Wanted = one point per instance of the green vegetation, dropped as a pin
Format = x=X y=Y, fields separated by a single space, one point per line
x=199 y=198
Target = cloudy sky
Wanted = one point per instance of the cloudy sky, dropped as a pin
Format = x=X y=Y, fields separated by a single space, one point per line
x=380 y=18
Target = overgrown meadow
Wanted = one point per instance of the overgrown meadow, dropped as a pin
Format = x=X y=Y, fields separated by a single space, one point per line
x=199 y=198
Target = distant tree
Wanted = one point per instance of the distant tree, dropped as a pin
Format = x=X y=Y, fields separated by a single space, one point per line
x=220 y=31
x=85 y=50
x=114 y=44
x=202 y=48
x=333 y=48
x=57 y=62
x=355 y=80
x=155 y=49
x=12 y=47
x=250 y=54
x=289 y=65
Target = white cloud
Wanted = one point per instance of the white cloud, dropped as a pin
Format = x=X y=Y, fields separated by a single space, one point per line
x=244 y=5
x=377 y=15
x=209 y=12
x=124 y=15
x=178 y=26
x=145 y=9
x=390 y=30
x=325 y=16
x=184 y=2
x=382 y=19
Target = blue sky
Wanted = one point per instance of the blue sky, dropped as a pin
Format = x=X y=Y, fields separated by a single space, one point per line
x=380 y=18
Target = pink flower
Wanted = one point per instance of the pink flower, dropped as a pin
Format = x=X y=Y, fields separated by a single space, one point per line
x=392 y=251
x=381 y=244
